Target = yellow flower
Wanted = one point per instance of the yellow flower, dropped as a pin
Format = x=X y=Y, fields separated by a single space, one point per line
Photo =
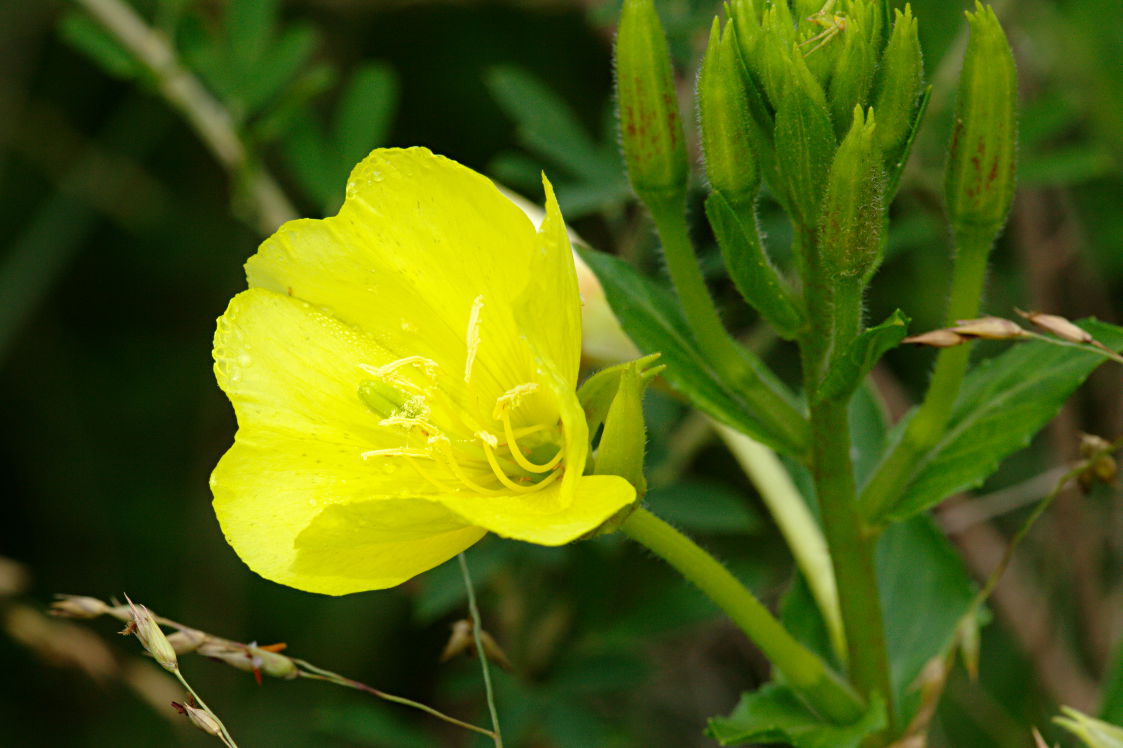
x=404 y=379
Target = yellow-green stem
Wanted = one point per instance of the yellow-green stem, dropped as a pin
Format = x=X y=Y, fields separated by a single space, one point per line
x=927 y=425
x=769 y=403
x=834 y=307
x=802 y=669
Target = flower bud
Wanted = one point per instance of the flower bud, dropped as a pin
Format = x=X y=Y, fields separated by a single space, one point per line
x=186 y=641
x=654 y=147
x=853 y=210
x=204 y=720
x=853 y=69
x=151 y=636
x=989 y=328
x=979 y=179
x=899 y=85
x=724 y=113
x=78 y=606
x=805 y=142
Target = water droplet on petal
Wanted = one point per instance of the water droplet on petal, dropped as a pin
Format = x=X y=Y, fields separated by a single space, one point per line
x=389 y=468
x=245 y=360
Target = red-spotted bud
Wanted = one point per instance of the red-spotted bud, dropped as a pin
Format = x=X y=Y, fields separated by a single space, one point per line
x=651 y=129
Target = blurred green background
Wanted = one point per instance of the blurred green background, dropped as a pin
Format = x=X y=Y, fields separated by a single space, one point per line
x=123 y=238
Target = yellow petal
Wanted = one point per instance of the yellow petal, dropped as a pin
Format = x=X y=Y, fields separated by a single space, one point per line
x=542 y=517
x=417 y=242
x=550 y=307
x=300 y=513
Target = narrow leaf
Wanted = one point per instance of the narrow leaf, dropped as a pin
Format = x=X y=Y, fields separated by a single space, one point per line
x=366 y=108
x=751 y=270
x=848 y=370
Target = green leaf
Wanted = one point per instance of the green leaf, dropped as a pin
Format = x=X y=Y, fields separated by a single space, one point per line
x=87 y=36
x=848 y=370
x=546 y=124
x=752 y=272
x=925 y=592
x=654 y=321
x=365 y=111
x=1003 y=403
x=1111 y=700
x=704 y=507
x=774 y=714
x=283 y=60
x=1092 y=732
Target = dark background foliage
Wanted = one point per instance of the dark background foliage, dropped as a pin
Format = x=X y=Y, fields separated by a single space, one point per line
x=123 y=238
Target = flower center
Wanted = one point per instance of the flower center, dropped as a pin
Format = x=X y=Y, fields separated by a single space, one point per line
x=450 y=444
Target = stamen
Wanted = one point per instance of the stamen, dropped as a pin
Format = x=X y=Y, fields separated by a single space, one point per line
x=397 y=452
x=473 y=337
x=454 y=466
x=495 y=468
x=520 y=458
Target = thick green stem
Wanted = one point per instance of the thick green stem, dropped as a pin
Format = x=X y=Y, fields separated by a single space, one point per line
x=801 y=668
x=891 y=479
x=769 y=403
x=835 y=309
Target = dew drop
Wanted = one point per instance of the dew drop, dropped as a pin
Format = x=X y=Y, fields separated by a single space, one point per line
x=245 y=360
x=389 y=468
x=408 y=326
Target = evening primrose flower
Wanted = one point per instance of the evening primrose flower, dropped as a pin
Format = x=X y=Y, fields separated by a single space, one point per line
x=404 y=377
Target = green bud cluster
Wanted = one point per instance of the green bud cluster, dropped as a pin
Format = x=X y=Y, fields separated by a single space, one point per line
x=850 y=229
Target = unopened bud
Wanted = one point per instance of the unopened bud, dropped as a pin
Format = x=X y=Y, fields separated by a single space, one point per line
x=979 y=179
x=724 y=112
x=151 y=636
x=853 y=69
x=78 y=606
x=186 y=641
x=899 y=85
x=990 y=328
x=204 y=720
x=654 y=147
x=273 y=664
x=805 y=142
x=1059 y=326
x=942 y=338
x=853 y=211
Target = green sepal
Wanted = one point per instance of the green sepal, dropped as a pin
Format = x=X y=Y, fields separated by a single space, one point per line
x=751 y=270
x=979 y=177
x=1094 y=733
x=651 y=129
x=598 y=391
x=624 y=439
x=805 y=143
x=853 y=211
x=848 y=370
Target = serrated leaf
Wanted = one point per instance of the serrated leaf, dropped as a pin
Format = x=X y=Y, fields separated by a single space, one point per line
x=752 y=272
x=1003 y=403
x=653 y=319
x=366 y=108
x=774 y=714
x=848 y=370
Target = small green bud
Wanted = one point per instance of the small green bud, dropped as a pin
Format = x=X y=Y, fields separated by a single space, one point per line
x=724 y=114
x=805 y=142
x=771 y=60
x=654 y=146
x=979 y=178
x=151 y=636
x=899 y=84
x=853 y=210
x=852 y=76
